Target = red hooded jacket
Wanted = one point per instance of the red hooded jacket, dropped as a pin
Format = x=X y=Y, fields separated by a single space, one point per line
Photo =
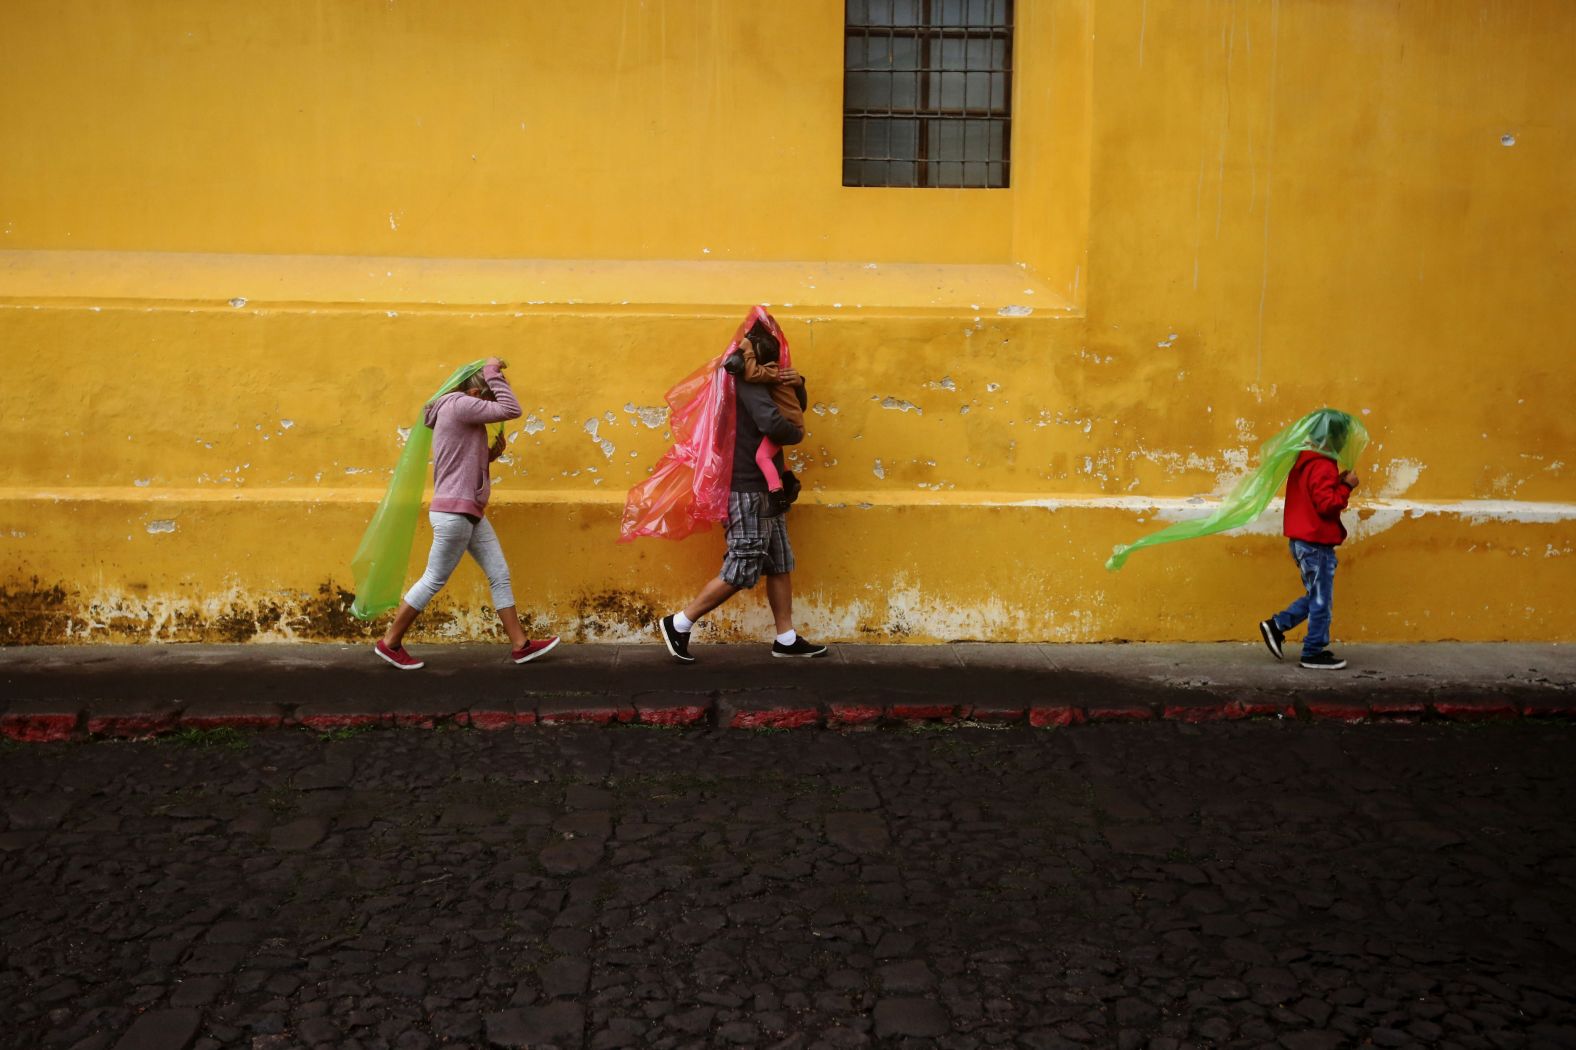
x=1315 y=497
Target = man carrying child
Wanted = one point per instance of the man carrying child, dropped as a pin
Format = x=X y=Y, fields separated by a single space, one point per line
x=757 y=530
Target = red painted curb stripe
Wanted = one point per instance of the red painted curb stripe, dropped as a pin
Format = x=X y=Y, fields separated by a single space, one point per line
x=780 y=718
x=326 y=722
x=1218 y=711
x=1397 y=708
x=131 y=725
x=46 y=726
x=38 y=728
x=1046 y=717
x=232 y=721
x=1120 y=713
x=1475 y=711
x=998 y=715
x=923 y=712
x=853 y=714
x=1348 y=711
x=600 y=716
x=1559 y=709
x=683 y=715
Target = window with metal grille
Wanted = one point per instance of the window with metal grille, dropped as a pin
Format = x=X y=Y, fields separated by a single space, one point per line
x=927 y=92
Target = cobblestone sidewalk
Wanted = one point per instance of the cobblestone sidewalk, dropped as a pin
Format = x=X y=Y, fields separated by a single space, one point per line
x=1160 y=885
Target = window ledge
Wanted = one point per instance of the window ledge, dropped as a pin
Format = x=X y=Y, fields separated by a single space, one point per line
x=89 y=278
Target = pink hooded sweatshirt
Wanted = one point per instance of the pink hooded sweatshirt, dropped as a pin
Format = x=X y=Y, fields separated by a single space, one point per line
x=460 y=456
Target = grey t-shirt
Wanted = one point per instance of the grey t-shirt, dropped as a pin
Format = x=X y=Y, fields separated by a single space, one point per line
x=757 y=416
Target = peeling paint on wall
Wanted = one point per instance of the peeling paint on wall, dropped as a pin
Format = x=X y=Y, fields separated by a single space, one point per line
x=591 y=427
x=1403 y=475
x=651 y=416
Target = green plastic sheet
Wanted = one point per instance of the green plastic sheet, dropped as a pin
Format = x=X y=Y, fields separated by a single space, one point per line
x=1332 y=432
x=379 y=563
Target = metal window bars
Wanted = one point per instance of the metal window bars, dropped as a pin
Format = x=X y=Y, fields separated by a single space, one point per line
x=927 y=93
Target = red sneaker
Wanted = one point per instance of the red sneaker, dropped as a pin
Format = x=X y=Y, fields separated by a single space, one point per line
x=532 y=650
x=398 y=657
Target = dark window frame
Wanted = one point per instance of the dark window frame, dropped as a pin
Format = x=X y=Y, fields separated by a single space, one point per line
x=934 y=49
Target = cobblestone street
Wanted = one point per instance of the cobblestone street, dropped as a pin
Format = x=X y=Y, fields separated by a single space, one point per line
x=1158 y=885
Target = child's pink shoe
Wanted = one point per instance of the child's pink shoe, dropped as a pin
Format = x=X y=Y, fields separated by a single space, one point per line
x=398 y=657
x=533 y=649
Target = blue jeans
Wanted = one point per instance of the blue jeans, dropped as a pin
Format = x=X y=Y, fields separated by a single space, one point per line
x=1317 y=563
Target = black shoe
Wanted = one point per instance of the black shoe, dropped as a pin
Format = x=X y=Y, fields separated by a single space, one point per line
x=1323 y=660
x=676 y=640
x=1273 y=637
x=800 y=647
x=777 y=502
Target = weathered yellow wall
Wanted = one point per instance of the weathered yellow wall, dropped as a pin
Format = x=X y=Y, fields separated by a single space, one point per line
x=1356 y=202
x=1054 y=67
x=682 y=129
x=1230 y=213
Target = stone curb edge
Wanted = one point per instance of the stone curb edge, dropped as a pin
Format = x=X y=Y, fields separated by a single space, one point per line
x=53 y=720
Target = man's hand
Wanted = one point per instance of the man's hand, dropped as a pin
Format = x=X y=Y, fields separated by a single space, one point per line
x=789 y=377
x=497 y=447
x=1349 y=478
x=494 y=362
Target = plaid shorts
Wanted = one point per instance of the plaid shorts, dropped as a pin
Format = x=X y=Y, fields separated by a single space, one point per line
x=755 y=544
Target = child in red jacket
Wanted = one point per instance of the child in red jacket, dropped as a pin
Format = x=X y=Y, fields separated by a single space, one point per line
x=1316 y=493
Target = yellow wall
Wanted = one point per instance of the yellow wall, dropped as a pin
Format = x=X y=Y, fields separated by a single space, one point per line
x=1226 y=214
x=1309 y=201
x=1051 y=127
x=682 y=129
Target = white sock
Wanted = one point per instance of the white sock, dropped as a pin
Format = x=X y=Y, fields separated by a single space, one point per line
x=682 y=623
x=788 y=637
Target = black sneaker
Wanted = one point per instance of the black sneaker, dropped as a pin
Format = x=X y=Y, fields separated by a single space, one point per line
x=1323 y=660
x=777 y=502
x=800 y=647
x=1273 y=637
x=676 y=640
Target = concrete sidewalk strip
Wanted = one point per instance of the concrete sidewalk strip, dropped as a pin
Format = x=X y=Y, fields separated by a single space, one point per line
x=80 y=692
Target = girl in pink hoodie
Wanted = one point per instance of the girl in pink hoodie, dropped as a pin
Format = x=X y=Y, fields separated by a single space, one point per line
x=461 y=487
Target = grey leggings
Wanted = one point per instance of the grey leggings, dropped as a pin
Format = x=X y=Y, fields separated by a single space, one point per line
x=452 y=536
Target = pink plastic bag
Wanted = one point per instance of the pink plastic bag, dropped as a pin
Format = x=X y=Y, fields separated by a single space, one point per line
x=687 y=491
